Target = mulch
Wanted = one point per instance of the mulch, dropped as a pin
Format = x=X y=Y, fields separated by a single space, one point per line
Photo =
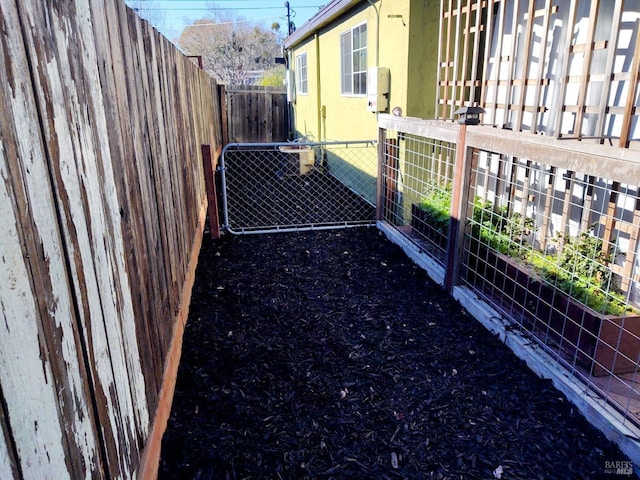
x=325 y=355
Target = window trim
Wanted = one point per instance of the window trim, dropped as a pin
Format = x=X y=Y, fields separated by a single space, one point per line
x=350 y=76
x=302 y=71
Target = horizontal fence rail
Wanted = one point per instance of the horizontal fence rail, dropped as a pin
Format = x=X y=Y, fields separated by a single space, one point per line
x=544 y=233
x=298 y=186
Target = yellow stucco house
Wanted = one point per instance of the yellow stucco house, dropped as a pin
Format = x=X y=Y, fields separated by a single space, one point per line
x=357 y=58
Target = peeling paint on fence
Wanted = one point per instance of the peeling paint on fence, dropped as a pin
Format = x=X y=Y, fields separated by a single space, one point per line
x=101 y=191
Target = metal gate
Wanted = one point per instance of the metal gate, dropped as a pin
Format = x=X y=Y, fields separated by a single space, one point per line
x=269 y=187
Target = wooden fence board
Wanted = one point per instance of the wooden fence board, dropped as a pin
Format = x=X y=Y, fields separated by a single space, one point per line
x=83 y=189
x=101 y=214
x=256 y=114
x=163 y=310
x=42 y=374
x=147 y=229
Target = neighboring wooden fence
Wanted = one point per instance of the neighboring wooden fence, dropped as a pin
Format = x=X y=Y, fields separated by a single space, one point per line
x=257 y=114
x=102 y=206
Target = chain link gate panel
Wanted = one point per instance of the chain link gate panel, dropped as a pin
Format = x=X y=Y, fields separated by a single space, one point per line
x=298 y=186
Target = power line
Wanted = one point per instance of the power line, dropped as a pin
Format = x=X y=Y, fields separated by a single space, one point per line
x=235 y=22
x=221 y=8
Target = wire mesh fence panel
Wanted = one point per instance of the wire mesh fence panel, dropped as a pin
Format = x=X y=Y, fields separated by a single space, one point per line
x=417 y=179
x=296 y=186
x=545 y=250
x=555 y=252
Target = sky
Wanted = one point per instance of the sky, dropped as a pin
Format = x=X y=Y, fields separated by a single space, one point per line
x=171 y=16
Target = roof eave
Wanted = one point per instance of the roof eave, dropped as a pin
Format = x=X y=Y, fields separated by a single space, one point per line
x=326 y=15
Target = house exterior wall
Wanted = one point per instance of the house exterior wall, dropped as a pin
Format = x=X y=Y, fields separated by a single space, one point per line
x=401 y=36
x=422 y=59
x=305 y=106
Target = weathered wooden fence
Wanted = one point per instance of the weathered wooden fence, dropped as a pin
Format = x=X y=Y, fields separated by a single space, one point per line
x=102 y=206
x=257 y=114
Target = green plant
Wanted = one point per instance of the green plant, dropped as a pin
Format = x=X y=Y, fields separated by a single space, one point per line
x=436 y=205
x=579 y=269
x=586 y=255
x=494 y=228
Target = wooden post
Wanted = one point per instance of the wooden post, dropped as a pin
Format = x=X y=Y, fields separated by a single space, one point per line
x=391 y=179
x=630 y=257
x=380 y=193
x=587 y=203
x=459 y=202
x=525 y=192
x=610 y=219
x=209 y=180
x=224 y=121
x=566 y=207
x=631 y=95
x=548 y=202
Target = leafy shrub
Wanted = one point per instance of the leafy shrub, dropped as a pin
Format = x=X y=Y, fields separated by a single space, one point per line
x=436 y=205
x=580 y=269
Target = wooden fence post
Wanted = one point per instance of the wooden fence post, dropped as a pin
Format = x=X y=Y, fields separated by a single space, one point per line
x=459 y=201
x=208 y=165
x=390 y=186
x=224 y=118
x=380 y=193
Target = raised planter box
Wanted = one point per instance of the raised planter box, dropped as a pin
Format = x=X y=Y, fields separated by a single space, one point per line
x=422 y=227
x=580 y=333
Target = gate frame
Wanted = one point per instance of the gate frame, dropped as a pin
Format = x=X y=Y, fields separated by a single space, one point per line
x=274 y=145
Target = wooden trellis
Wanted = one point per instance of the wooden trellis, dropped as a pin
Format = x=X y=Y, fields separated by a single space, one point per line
x=586 y=95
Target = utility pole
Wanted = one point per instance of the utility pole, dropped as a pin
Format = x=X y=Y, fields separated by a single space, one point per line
x=286 y=4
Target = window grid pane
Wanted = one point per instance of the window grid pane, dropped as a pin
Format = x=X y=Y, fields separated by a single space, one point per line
x=360 y=60
x=301 y=73
x=353 y=53
x=345 y=44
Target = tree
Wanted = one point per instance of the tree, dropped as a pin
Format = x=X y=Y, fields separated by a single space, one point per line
x=273 y=77
x=234 y=51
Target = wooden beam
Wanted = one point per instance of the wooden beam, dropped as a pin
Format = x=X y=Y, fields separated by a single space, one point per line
x=548 y=203
x=529 y=18
x=631 y=95
x=564 y=71
x=586 y=66
x=493 y=105
x=445 y=131
x=475 y=56
x=208 y=162
x=540 y=80
x=487 y=49
x=391 y=179
x=512 y=63
x=586 y=203
x=599 y=160
x=630 y=256
x=459 y=202
x=591 y=45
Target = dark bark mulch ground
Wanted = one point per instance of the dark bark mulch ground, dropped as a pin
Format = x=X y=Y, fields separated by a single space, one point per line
x=331 y=355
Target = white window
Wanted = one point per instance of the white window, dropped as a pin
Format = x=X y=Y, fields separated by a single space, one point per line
x=301 y=73
x=353 y=52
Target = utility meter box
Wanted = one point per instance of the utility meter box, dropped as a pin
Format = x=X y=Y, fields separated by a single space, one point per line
x=377 y=89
